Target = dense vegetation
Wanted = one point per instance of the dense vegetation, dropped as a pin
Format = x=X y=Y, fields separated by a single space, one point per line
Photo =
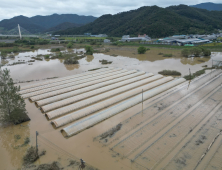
x=63 y=26
x=43 y=23
x=196 y=52
x=154 y=21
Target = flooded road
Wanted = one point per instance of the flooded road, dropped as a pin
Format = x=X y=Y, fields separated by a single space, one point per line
x=82 y=145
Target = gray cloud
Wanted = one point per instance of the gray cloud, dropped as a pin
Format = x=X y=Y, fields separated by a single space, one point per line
x=11 y=8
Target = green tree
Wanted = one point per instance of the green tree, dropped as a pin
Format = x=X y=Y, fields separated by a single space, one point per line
x=12 y=105
x=89 y=50
x=196 y=51
x=206 y=52
x=69 y=45
x=185 y=52
x=141 y=50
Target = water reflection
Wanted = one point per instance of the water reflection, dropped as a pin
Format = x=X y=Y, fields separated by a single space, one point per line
x=61 y=60
x=71 y=66
x=194 y=60
x=89 y=58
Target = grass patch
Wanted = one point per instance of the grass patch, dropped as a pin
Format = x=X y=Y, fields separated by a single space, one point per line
x=114 y=55
x=111 y=132
x=4 y=52
x=105 y=62
x=52 y=78
x=16 y=63
x=192 y=76
x=201 y=61
x=30 y=156
x=170 y=72
x=31 y=61
x=167 y=55
x=37 y=58
x=55 y=50
x=94 y=69
x=17 y=137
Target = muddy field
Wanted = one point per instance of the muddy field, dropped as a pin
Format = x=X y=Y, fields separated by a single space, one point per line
x=179 y=129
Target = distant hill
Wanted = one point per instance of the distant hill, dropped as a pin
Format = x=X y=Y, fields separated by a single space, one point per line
x=154 y=21
x=40 y=23
x=209 y=6
x=62 y=26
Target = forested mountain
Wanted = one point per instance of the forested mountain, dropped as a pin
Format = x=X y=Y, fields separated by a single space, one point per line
x=41 y=23
x=63 y=26
x=209 y=6
x=154 y=21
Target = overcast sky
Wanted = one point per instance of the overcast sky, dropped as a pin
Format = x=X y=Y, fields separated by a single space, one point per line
x=11 y=8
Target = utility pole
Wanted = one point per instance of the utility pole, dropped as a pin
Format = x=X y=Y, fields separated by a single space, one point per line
x=37 y=143
x=142 y=96
x=190 y=73
x=142 y=101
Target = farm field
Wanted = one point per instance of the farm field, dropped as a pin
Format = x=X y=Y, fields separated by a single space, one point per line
x=178 y=127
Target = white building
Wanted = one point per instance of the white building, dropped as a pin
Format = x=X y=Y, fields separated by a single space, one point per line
x=126 y=38
x=106 y=41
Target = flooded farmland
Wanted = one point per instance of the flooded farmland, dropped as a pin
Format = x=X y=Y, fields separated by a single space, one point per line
x=161 y=136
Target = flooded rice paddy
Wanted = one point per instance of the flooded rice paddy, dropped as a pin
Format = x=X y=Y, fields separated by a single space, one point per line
x=162 y=135
x=127 y=58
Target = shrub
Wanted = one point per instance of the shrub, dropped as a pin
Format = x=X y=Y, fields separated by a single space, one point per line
x=46 y=56
x=98 y=43
x=92 y=43
x=55 y=50
x=60 y=55
x=69 y=45
x=170 y=72
x=30 y=156
x=119 y=44
x=141 y=50
x=105 y=62
x=115 y=43
x=147 y=49
x=70 y=61
x=32 y=47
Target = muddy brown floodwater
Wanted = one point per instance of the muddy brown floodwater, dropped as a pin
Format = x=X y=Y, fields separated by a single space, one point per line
x=58 y=148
